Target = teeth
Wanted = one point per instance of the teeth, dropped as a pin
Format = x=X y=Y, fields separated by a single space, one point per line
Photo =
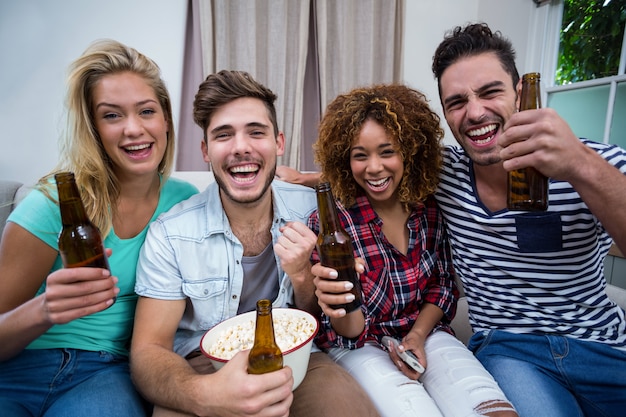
x=482 y=131
x=244 y=169
x=377 y=183
x=137 y=147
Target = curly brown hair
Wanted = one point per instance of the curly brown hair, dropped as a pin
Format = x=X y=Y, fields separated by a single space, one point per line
x=405 y=115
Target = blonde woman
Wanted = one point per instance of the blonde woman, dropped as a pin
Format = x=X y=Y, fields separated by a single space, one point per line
x=65 y=332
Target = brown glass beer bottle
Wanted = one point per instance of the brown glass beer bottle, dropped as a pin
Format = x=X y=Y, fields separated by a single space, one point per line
x=265 y=355
x=334 y=245
x=80 y=243
x=527 y=187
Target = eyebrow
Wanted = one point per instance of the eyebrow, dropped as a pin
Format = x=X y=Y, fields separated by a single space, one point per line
x=117 y=106
x=222 y=128
x=481 y=89
x=381 y=146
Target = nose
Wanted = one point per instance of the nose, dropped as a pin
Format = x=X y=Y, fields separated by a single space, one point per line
x=374 y=165
x=240 y=144
x=133 y=126
x=475 y=109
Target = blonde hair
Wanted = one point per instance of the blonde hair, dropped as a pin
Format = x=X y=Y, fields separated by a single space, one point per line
x=407 y=119
x=81 y=148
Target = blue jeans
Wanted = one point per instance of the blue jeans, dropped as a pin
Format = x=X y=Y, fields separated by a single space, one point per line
x=68 y=383
x=556 y=376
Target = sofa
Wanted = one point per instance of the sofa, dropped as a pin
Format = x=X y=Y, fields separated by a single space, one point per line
x=11 y=192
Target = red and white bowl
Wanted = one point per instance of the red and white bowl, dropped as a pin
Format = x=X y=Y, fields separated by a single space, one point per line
x=296 y=357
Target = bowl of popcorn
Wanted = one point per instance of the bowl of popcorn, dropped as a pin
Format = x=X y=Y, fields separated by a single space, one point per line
x=294 y=331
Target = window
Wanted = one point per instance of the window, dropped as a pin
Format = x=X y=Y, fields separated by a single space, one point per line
x=588 y=86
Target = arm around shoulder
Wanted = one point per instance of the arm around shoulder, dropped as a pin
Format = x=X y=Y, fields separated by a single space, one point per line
x=287 y=174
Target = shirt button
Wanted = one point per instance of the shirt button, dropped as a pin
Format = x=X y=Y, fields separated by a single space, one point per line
x=234 y=297
x=206 y=292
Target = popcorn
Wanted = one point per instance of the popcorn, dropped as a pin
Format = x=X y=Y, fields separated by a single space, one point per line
x=289 y=331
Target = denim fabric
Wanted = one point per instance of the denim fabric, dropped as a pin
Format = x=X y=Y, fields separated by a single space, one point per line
x=191 y=253
x=556 y=376
x=68 y=383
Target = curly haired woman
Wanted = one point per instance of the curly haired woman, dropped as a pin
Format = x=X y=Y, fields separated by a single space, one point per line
x=380 y=150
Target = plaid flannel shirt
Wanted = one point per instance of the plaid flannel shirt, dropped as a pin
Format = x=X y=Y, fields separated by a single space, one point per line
x=395 y=285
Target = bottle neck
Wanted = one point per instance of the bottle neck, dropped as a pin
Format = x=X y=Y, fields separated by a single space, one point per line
x=70 y=203
x=264 y=325
x=327 y=208
x=530 y=97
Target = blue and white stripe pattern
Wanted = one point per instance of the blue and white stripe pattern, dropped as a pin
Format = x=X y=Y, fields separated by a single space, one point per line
x=532 y=272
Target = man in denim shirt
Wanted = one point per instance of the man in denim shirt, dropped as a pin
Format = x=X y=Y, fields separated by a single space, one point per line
x=214 y=255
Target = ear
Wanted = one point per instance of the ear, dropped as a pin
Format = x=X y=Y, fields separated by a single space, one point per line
x=205 y=151
x=280 y=144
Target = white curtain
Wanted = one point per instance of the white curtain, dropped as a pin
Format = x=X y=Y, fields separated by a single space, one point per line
x=359 y=44
x=306 y=51
x=268 y=39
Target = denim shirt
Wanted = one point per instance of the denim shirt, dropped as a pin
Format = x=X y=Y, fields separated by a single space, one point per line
x=191 y=253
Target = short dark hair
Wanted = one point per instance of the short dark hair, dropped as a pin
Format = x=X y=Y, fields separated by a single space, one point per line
x=472 y=40
x=225 y=86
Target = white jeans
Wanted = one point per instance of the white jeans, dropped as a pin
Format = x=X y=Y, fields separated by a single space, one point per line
x=453 y=385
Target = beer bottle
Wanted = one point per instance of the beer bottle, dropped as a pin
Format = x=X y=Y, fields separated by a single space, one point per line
x=334 y=245
x=527 y=187
x=265 y=355
x=80 y=243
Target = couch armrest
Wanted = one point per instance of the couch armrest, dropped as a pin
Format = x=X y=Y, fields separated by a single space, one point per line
x=617 y=294
x=8 y=199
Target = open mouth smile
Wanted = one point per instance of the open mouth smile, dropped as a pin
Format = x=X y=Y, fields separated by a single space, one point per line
x=244 y=173
x=483 y=135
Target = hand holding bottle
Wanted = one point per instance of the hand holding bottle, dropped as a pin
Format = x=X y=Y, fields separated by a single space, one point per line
x=331 y=292
x=269 y=393
x=543 y=139
x=72 y=293
x=335 y=249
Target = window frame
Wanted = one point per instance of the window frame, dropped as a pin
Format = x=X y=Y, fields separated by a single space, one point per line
x=553 y=17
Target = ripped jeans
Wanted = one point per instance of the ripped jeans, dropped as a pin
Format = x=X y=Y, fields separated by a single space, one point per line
x=453 y=385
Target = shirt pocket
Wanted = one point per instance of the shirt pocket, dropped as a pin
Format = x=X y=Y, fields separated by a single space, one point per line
x=539 y=232
x=209 y=299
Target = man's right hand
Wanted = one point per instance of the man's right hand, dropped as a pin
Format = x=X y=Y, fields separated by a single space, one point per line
x=234 y=392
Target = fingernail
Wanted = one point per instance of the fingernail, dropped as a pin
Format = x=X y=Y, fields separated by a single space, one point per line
x=348 y=286
x=333 y=274
x=350 y=298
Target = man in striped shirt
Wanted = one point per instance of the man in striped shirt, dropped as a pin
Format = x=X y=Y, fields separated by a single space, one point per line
x=544 y=326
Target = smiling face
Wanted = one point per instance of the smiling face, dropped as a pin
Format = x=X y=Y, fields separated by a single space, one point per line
x=131 y=124
x=478 y=97
x=242 y=149
x=376 y=164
